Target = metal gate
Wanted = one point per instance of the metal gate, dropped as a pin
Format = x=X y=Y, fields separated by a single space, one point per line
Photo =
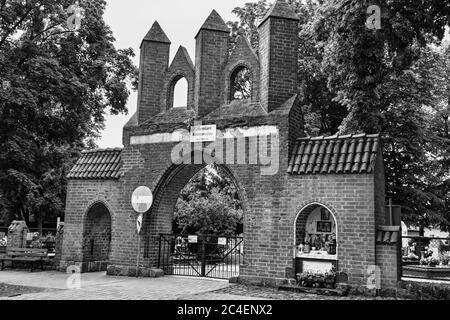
x=201 y=256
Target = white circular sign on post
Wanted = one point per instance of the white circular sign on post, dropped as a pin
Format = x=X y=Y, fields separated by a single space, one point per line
x=139 y=223
x=142 y=199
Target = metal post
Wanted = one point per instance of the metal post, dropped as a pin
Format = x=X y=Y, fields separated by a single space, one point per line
x=138 y=256
x=159 y=251
x=203 y=256
x=390 y=212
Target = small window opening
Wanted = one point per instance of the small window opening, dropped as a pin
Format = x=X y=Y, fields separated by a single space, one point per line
x=180 y=94
x=241 y=84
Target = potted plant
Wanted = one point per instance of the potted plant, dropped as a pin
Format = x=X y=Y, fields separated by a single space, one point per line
x=307 y=279
x=430 y=261
x=330 y=279
x=318 y=281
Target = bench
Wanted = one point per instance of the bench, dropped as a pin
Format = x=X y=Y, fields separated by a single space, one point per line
x=30 y=256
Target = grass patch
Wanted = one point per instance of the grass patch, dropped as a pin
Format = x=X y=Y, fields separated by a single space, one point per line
x=9 y=290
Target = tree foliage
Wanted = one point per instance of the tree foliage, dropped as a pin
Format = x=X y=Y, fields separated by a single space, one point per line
x=210 y=205
x=56 y=83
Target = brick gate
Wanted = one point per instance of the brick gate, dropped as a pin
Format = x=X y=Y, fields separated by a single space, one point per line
x=260 y=142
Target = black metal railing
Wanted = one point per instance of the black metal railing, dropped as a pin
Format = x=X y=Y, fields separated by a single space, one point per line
x=202 y=256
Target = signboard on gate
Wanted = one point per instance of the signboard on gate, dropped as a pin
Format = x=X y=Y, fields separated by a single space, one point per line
x=203 y=133
x=142 y=199
x=192 y=239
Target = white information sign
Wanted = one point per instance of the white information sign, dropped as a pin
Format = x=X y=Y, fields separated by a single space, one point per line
x=206 y=133
x=222 y=241
x=192 y=239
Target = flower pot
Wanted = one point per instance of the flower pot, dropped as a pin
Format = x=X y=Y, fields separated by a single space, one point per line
x=307 y=248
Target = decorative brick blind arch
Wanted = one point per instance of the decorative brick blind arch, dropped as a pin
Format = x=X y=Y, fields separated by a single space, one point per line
x=96 y=237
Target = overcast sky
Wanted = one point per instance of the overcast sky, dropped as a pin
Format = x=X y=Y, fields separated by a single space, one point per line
x=180 y=19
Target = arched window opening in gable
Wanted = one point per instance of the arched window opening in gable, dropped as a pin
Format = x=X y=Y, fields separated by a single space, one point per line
x=179 y=93
x=241 y=84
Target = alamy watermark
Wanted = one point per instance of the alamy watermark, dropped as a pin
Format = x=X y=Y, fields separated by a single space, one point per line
x=74 y=279
x=373 y=22
x=238 y=147
x=373 y=278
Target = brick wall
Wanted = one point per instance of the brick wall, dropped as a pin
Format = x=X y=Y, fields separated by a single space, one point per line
x=389 y=261
x=80 y=222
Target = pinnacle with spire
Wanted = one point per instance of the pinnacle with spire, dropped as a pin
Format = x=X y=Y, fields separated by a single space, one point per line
x=280 y=9
x=156 y=34
x=215 y=22
x=181 y=56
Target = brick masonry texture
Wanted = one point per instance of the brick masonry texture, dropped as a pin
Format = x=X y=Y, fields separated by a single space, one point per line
x=271 y=203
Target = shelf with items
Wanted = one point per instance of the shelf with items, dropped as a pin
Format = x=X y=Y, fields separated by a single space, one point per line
x=319 y=255
x=316 y=242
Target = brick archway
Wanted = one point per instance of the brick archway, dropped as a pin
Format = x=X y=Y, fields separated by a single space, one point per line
x=167 y=191
x=96 y=238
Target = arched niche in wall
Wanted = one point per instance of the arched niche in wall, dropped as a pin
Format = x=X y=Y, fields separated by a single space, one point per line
x=316 y=235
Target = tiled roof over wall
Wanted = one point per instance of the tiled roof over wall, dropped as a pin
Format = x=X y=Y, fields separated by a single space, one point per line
x=337 y=154
x=388 y=234
x=98 y=164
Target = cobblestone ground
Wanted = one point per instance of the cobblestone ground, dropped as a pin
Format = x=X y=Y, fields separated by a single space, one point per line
x=99 y=286
x=252 y=293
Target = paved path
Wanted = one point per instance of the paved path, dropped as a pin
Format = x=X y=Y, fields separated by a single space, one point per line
x=99 y=286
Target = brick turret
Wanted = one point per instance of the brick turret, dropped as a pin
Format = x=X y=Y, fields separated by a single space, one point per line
x=210 y=57
x=278 y=50
x=155 y=49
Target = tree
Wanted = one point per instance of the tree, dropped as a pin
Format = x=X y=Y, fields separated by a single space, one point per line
x=209 y=204
x=59 y=74
x=389 y=81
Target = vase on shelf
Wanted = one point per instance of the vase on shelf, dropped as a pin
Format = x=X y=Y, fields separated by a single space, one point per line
x=307 y=248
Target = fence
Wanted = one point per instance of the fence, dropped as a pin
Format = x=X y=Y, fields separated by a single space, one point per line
x=202 y=255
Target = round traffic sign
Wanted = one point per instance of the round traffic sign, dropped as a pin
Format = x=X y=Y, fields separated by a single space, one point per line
x=142 y=199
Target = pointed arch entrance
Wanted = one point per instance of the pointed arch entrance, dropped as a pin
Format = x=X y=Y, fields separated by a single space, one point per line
x=96 y=238
x=212 y=255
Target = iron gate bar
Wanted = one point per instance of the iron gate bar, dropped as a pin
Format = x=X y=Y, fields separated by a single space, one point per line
x=226 y=256
x=179 y=257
